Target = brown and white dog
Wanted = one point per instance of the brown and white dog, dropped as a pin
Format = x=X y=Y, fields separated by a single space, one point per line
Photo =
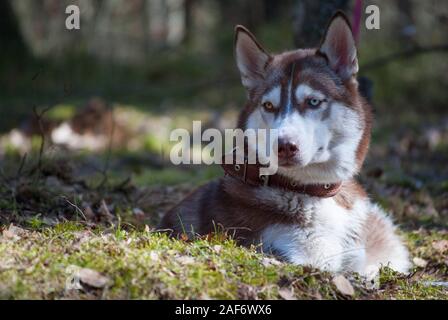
x=311 y=96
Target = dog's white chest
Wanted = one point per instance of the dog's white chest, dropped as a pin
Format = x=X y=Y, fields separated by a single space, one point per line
x=326 y=241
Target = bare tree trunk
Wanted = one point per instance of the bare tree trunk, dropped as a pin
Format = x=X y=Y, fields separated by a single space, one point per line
x=243 y=12
x=11 y=38
x=311 y=18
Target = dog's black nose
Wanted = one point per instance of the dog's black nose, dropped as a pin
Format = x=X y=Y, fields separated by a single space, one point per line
x=286 y=149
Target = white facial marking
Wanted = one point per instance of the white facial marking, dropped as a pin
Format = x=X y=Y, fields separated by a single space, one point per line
x=272 y=96
x=327 y=148
x=327 y=144
x=306 y=130
x=303 y=91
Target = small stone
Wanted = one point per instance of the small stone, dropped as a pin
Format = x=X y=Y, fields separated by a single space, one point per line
x=286 y=294
x=92 y=278
x=343 y=285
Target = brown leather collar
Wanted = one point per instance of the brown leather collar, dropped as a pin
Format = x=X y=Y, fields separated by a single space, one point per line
x=250 y=174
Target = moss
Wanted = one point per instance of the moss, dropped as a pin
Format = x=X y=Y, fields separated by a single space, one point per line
x=147 y=265
x=61 y=112
x=172 y=176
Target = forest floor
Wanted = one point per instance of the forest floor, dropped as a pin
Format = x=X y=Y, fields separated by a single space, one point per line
x=78 y=212
x=80 y=225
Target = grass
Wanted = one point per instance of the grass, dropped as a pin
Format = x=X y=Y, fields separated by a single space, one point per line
x=172 y=176
x=147 y=265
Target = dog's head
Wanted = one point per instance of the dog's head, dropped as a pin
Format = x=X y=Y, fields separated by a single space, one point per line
x=311 y=96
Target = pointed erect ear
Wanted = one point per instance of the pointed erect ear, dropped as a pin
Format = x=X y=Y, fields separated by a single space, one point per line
x=338 y=45
x=251 y=58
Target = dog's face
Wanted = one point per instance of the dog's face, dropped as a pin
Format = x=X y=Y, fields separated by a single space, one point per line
x=311 y=97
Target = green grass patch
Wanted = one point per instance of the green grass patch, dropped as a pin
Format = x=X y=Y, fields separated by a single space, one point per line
x=173 y=176
x=147 y=265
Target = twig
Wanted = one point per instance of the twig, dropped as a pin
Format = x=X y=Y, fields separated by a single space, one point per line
x=405 y=54
x=75 y=206
x=120 y=186
x=21 y=166
x=39 y=116
x=105 y=170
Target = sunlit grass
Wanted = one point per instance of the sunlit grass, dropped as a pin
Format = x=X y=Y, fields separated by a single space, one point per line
x=146 y=265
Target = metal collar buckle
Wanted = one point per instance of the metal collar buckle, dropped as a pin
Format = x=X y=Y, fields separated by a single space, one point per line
x=265 y=180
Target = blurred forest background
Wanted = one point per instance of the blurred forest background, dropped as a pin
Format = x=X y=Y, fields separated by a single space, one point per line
x=91 y=109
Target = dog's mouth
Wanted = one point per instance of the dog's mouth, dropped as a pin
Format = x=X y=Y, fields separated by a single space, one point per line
x=289 y=162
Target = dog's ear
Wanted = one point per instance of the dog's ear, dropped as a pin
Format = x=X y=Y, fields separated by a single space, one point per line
x=339 y=46
x=251 y=58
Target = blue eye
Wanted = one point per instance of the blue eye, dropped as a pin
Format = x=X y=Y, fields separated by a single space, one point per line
x=313 y=102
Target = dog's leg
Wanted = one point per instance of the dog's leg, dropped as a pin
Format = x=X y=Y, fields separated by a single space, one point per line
x=382 y=244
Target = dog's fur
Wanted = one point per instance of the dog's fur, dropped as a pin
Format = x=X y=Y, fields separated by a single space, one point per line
x=345 y=232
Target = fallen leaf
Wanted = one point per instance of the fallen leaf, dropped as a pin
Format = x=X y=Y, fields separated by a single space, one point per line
x=343 y=285
x=247 y=292
x=154 y=256
x=419 y=262
x=184 y=237
x=92 y=278
x=267 y=262
x=205 y=296
x=88 y=212
x=441 y=246
x=7 y=263
x=13 y=233
x=185 y=260
x=286 y=294
x=104 y=210
x=138 y=213
x=217 y=248
x=317 y=296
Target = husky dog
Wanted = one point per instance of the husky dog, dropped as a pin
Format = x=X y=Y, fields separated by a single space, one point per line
x=313 y=212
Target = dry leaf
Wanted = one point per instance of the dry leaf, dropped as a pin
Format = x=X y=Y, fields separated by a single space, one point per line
x=184 y=237
x=343 y=285
x=185 y=260
x=88 y=212
x=267 y=262
x=286 y=294
x=7 y=263
x=13 y=233
x=247 y=292
x=138 y=213
x=217 y=248
x=104 y=211
x=419 y=262
x=92 y=278
x=441 y=246
x=154 y=256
